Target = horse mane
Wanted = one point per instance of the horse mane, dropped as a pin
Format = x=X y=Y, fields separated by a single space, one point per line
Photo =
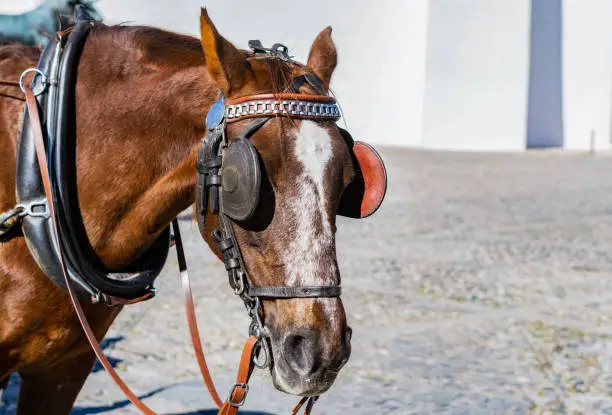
x=151 y=44
x=162 y=48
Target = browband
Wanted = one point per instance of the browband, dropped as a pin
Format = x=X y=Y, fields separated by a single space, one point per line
x=285 y=104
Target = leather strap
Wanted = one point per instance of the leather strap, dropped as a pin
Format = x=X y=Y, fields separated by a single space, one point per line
x=41 y=156
x=324 y=99
x=111 y=300
x=311 y=401
x=295 y=292
x=240 y=389
x=191 y=316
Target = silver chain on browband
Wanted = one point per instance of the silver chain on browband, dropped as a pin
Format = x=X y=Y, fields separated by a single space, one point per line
x=283 y=107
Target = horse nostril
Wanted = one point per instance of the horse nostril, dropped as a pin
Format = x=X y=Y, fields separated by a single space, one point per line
x=300 y=351
x=348 y=335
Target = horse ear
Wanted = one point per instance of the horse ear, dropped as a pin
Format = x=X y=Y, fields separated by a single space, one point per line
x=323 y=56
x=226 y=65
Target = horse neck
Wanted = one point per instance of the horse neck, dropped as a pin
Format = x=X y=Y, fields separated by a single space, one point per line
x=138 y=125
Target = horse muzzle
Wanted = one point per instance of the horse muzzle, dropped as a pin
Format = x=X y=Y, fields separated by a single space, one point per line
x=308 y=358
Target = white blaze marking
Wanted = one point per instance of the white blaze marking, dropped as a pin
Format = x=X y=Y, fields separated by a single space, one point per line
x=314 y=150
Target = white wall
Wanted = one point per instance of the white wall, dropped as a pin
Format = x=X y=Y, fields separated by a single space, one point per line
x=381 y=49
x=587 y=72
x=442 y=74
x=477 y=74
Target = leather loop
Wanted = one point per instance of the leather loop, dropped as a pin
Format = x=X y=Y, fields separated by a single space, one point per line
x=232 y=263
x=112 y=301
x=213 y=180
x=213 y=163
x=225 y=244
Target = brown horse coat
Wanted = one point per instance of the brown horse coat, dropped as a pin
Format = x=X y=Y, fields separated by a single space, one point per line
x=142 y=94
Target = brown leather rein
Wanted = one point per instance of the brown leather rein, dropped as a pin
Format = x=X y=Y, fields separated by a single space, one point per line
x=239 y=390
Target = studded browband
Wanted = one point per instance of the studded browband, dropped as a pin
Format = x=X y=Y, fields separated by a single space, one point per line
x=285 y=104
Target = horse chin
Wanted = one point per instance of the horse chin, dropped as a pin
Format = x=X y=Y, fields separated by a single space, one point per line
x=310 y=386
x=287 y=380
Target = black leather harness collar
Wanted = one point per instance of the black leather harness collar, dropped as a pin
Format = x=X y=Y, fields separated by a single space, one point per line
x=55 y=88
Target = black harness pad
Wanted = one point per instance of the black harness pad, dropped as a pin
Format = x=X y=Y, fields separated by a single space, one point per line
x=58 y=115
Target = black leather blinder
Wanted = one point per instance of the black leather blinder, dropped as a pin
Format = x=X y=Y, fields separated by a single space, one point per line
x=240 y=180
x=229 y=180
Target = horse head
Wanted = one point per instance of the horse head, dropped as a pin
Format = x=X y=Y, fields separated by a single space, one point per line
x=289 y=239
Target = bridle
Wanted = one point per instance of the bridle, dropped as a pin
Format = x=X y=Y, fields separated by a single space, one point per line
x=213 y=187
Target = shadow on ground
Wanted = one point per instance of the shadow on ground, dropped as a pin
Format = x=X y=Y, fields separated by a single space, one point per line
x=105 y=344
x=91 y=410
x=103 y=409
x=115 y=405
x=107 y=408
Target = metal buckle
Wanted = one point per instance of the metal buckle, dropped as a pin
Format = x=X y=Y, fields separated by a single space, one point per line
x=37 y=72
x=261 y=347
x=255 y=330
x=256 y=324
x=240 y=286
x=233 y=389
x=28 y=209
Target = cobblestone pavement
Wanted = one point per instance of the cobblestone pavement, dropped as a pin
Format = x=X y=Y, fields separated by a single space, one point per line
x=482 y=286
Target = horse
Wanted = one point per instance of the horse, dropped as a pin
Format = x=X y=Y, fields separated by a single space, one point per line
x=141 y=97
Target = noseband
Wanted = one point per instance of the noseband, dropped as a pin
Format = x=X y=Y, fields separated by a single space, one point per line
x=229 y=180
